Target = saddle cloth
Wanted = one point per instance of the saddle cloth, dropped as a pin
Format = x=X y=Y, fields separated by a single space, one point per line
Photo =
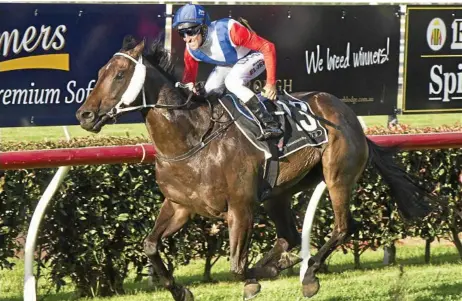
x=300 y=129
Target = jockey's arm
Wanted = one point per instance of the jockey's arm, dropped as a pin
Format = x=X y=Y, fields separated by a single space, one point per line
x=241 y=36
x=191 y=66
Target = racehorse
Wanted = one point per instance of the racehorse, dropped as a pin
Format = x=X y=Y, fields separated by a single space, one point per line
x=205 y=165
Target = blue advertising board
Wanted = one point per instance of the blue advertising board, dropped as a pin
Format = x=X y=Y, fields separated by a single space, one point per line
x=50 y=55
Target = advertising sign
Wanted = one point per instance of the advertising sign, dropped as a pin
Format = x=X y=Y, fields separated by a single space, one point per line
x=433 y=60
x=50 y=55
x=349 y=51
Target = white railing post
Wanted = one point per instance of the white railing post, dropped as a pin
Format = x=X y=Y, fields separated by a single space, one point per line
x=29 y=279
x=30 y=293
x=307 y=225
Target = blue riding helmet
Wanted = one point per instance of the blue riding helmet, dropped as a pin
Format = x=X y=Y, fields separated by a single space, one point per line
x=191 y=15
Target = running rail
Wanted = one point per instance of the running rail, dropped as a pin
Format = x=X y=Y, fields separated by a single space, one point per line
x=145 y=153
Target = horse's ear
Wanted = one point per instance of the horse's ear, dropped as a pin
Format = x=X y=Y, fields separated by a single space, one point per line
x=129 y=42
x=138 y=49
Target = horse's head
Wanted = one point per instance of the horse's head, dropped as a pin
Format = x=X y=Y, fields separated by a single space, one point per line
x=119 y=82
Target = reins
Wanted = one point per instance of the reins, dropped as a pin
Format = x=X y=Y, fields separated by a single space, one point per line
x=206 y=138
x=208 y=135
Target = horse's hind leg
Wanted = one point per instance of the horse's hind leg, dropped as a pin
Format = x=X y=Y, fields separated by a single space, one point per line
x=278 y=258
x=171 y=218
x=340 y=200
x=341 y=171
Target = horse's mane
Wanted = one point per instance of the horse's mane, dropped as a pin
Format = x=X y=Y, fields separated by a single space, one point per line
x=159 y=58
x=156 y=55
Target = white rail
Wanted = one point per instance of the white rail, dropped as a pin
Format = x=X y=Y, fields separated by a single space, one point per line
x=29 y=279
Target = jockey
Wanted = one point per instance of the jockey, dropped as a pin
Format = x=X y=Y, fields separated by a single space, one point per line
x=239 y=54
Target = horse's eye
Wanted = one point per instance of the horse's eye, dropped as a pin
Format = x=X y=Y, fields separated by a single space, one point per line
x=120 y=75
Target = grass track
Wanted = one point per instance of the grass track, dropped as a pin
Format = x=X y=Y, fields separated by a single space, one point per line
x=440 y=280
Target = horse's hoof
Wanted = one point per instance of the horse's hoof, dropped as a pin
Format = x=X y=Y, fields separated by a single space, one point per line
x=251 y=289
x=310 y=289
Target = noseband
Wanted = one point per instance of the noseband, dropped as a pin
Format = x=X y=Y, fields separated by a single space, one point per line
x=135 y=87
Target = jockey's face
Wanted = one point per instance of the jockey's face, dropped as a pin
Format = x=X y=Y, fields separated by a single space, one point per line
x=193 y=41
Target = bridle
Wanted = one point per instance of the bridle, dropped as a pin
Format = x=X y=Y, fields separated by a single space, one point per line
x=140 y=71
x=137 y=81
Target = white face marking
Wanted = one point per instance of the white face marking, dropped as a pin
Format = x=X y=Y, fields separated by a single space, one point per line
x=107 y=67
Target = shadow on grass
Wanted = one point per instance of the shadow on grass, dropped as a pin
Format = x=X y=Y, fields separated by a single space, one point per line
x=223 y=276
x=11 y=299
x=411 y=261
x=51 y=297
x=337 y=298
x=190 y=280
x=132 y=288
x=447 y=291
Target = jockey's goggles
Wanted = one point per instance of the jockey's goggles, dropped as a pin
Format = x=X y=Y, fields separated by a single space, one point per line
x=191 y=31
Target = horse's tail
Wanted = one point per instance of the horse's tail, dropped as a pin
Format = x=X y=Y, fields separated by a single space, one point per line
x=412 y=199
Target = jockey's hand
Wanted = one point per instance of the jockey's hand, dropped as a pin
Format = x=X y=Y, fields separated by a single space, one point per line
x=269 y=91
x=190 y=86
x=200 y=88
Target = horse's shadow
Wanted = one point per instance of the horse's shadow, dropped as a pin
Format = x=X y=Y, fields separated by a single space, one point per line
x=56 y=296
x=194 y=280
x=444 y=290
x=224 y=276
x=410 y=261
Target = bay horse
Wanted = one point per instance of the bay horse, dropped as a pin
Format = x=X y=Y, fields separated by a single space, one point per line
x=205 y=165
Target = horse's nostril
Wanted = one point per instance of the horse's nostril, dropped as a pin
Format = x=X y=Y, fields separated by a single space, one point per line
x=87 y=115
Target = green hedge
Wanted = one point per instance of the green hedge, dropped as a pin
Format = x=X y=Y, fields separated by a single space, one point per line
x=96 y=223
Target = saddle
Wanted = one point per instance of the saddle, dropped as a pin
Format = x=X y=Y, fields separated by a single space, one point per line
x=298 y=122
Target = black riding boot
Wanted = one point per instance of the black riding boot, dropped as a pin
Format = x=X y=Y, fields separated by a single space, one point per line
x=269 y=126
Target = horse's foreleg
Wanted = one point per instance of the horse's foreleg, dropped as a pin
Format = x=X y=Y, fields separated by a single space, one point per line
x=278 y=258
x=240 y=223
x=281 y=214
x=171 y=218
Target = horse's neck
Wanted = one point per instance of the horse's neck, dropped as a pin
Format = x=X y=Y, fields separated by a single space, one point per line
x=174 y=132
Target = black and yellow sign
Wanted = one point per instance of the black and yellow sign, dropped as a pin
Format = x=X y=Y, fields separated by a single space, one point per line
x=433 y=60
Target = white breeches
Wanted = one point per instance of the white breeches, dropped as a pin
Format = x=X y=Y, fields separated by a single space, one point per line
x=236 y=77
